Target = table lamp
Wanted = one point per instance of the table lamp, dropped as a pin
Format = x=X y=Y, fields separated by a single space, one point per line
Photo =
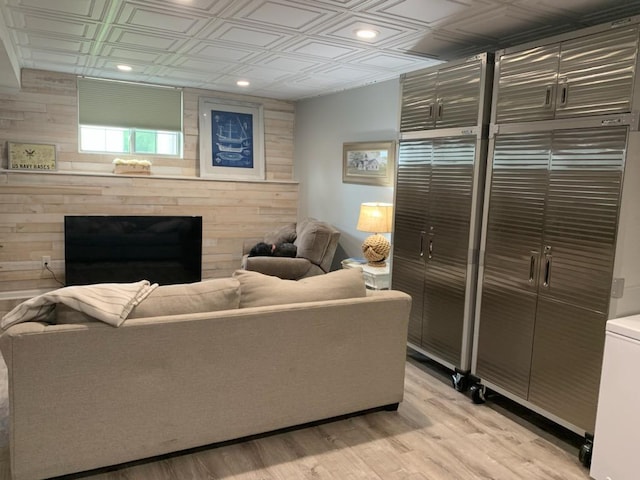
x=375 y=218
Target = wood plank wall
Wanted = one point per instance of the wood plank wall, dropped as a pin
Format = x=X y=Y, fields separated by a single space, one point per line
x=33 y=204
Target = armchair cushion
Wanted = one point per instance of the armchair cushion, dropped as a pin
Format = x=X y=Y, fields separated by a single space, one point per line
x=317 y=242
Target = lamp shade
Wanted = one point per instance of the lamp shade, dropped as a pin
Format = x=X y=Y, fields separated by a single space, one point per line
x=375 y=217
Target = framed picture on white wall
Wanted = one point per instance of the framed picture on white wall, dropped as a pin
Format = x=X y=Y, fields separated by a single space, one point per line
x=369 y=163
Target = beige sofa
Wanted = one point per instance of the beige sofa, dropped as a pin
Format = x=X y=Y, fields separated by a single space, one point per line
x=87 y=395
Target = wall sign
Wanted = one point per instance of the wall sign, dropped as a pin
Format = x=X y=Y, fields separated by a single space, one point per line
x=31 y=156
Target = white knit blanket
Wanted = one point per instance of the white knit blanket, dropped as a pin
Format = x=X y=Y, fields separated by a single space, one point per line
x=108 y=302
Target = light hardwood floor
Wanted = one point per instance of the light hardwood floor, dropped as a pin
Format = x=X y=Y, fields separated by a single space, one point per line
x=436 y=434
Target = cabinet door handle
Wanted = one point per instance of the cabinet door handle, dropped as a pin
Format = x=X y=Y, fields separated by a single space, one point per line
x=564 y=95
x=430 y=249
x=548 y=99
x=430 y=115
x=532 y=266
x=440 y=111
x=422 y=234
x=547 y=271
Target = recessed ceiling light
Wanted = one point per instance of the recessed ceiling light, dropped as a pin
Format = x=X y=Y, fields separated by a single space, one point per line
x=124 y=68
x=366 y=33
x=242 y=83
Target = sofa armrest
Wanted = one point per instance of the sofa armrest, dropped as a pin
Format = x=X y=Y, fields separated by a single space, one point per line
x=283 y=267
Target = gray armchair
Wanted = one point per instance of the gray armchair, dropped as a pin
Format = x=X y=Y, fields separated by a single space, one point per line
x=316 y=244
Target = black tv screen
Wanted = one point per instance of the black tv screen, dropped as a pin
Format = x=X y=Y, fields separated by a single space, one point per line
x=123 y=249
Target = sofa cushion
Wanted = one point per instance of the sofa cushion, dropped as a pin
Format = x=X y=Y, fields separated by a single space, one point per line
x=205 y=296
x=284 y=234
x=259 y=290
x=65 y=315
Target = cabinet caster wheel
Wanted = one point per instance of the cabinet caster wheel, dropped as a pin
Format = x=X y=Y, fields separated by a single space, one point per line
x=459 y=382
x=584 y=455
x=478 y=394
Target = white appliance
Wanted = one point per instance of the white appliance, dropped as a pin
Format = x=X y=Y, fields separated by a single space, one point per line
x=616 y=445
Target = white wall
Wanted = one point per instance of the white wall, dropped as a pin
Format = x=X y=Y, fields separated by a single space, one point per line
x=323 y=124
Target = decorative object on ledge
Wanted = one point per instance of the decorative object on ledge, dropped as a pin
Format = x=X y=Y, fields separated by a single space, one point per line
x=131 y=166
x=31 y=156
x=369 y=163
x=375 y=218
x=231 y=139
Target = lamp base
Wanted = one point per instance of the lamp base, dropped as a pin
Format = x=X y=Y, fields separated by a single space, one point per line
x=376 y=249
x=380 y=264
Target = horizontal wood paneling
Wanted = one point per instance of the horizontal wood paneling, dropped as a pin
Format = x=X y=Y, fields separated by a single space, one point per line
x=33 y=204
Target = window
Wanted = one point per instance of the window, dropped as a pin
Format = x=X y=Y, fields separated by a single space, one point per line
x=129 y=140
x=122 y=117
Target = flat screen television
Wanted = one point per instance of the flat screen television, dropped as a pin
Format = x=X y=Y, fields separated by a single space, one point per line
x=123 y=249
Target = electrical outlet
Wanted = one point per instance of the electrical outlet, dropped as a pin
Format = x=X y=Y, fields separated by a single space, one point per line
x=46 y=261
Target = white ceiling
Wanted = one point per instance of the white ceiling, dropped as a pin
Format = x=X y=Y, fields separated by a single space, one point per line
x=287 y=49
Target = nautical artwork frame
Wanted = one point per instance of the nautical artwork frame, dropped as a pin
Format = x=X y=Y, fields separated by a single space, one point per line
x=369 y=163
x=231 y=139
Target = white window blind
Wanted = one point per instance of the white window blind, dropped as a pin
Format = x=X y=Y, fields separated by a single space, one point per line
x=119 y=104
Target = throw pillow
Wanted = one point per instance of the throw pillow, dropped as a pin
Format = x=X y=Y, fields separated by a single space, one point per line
x=285 y=234
x=257 y=289
x=206 y=296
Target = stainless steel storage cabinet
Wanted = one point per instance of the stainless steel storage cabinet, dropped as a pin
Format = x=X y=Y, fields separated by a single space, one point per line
x=440 y=177
x=559 y=248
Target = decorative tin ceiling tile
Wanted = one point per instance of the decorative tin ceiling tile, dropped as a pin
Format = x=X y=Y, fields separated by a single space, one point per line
x=288 y=49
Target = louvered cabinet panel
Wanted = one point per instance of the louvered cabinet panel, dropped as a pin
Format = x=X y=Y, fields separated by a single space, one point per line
x=413 y=181
x=458 y=95
x=596 y=73
x=505 y=336
x=447 y=96
x=518 y=184
x=527 y=85
x=448 y=242
x=585 y=76
x=581 y=216
x=443 y=317
x=450 y=198
x=408 y=276
x=418 y=101
x=567 y=360
x=552 y=219
x=412 y=198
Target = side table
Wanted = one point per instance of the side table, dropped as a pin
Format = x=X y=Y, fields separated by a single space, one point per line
x=375 y=278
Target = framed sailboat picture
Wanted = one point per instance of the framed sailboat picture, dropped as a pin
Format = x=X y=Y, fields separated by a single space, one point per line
x=231 y=139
